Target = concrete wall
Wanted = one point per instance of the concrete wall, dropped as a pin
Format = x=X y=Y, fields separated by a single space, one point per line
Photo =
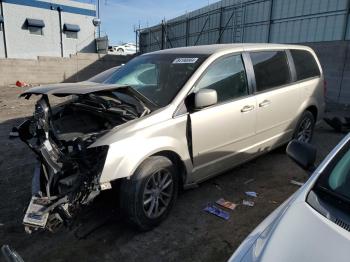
x=54 y=70
x=335 y=60
x=22 y=44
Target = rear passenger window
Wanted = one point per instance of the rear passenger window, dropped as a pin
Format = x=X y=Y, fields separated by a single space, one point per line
x=227 y=76
x=271 y=69
x=305 y=64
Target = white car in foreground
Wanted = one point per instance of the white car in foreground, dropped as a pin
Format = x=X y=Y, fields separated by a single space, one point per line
x=314 y=223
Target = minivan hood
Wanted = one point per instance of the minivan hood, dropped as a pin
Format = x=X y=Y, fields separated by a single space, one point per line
x=71 y=89
x=302 y=234
x=83 y=88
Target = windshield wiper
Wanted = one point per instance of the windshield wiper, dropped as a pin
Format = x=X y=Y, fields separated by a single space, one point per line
x=139 y=96
x=333 y=194
x=122 y=107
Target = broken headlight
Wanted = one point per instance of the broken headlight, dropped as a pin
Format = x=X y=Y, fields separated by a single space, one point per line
x=41 y=114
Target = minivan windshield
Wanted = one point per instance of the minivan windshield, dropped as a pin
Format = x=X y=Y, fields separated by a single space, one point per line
x=336 y=176
x=159 y=77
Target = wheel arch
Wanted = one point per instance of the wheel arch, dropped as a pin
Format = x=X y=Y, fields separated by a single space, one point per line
x=123 y=159
x=177 y=161
x=314 y=111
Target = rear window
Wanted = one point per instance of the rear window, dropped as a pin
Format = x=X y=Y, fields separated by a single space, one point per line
x=271 y=69
x=305 y=64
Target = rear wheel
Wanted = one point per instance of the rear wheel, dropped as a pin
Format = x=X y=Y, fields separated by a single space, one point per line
x=147 y=198
x=120 y=51
x=305 y=127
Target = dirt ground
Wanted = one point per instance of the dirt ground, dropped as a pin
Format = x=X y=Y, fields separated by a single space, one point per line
x=189 y=234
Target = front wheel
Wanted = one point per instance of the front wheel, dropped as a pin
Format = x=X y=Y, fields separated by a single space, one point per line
x=120 y=51
x=148 y=196
x=305 y=127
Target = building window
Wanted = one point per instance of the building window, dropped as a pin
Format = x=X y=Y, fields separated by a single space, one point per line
x=71 y=30
x=70 y=34
x=35 y=30
x=35 y=26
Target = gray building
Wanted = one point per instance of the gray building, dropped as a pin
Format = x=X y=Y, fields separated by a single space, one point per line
x=321 y=24
x=30 y=28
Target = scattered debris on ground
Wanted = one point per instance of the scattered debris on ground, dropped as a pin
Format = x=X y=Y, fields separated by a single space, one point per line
x=293 y=182
x=217 y=185
x=227 y=204
x=217 y=211
x=251 y=194
x=249 y=181
x=248 y=203
x=23 y=84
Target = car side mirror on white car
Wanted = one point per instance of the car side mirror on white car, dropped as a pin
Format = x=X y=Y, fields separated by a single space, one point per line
x=304 y=154
x=205 y=97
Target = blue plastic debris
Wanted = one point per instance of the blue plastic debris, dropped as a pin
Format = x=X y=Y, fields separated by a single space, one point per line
x=251 y=194
x=217 y=212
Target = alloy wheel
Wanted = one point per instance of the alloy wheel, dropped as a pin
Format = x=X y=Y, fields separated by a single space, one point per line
x=304 y=133
x=158 y=193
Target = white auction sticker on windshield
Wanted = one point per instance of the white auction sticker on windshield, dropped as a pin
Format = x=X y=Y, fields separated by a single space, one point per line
x=185 y=60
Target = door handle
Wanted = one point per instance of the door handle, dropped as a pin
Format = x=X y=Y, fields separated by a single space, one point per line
x=247 y=108
x=265 y=103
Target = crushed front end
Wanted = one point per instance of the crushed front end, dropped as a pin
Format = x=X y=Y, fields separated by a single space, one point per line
x=66 y=176
x=69 y=165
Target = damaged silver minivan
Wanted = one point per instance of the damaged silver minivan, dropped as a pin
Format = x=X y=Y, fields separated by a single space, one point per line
x=166 y=120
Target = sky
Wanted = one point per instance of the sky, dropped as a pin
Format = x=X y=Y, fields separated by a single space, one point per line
x=120 y=16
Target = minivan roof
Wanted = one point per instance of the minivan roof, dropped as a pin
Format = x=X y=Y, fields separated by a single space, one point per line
x=216 y=48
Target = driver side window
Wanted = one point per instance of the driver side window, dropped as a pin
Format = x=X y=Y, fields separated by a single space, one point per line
x=227 y=76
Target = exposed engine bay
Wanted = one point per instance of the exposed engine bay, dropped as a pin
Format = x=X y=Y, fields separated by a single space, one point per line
x=68 y=170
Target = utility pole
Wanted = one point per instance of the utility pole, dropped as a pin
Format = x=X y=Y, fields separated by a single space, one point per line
x=3 y=28
x=59 y=9
x=98 y=16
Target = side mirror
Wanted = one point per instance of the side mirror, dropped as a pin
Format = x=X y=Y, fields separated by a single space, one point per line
x=303 y=154
x=205 y=97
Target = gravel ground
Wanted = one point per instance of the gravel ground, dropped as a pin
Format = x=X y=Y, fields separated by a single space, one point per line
x=189 y=234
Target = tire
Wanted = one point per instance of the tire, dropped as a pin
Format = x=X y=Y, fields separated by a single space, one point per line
x=143 y=189
x=120 y=51
x=305 y=127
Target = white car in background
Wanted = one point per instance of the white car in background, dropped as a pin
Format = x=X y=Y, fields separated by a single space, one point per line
x=124 y=49
x=313 y=225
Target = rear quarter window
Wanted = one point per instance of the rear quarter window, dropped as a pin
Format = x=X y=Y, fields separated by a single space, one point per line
x=305 y=64
x=271 y=69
